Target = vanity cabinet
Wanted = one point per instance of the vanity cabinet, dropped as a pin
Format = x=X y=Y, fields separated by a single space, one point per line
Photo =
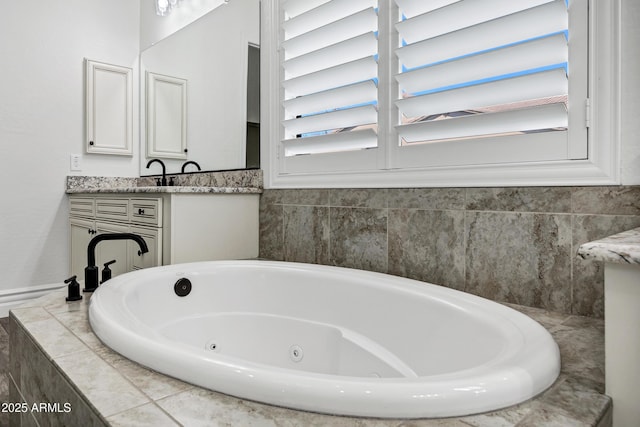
x=177 y=227
x=90 y=216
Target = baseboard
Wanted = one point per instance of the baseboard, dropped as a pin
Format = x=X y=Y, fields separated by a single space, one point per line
x=12 y=298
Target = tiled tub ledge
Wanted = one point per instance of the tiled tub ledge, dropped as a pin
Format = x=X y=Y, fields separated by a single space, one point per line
x=55 y=358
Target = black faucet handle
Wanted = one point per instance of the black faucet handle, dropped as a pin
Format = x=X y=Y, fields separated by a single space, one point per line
x=73 y=293
x=106 y=272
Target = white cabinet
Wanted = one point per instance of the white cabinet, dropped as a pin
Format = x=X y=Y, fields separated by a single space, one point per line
x=91 y=216
x=108 y=108
x=177 y=227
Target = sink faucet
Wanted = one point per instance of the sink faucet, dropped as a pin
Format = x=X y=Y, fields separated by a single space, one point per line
x=164 y=170
x=190 y=162
x=91 y=271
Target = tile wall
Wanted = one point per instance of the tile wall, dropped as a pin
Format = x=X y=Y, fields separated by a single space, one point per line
x=515 y=244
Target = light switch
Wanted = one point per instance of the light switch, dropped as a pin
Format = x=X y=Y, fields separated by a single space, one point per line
x=76 y=162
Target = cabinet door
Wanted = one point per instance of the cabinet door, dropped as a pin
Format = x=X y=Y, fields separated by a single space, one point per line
x=108 y=250
x=82 y=230
x=153 y=239
x=109 y=108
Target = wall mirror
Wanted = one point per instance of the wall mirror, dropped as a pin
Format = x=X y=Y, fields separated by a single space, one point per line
x=200 y=92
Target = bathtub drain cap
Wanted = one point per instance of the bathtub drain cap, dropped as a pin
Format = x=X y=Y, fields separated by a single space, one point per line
x=182 y=288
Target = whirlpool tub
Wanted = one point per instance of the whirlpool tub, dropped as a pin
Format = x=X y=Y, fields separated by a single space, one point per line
x=326 y=339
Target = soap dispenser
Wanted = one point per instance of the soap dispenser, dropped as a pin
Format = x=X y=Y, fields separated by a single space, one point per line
x=74 y=289
x=106 y=271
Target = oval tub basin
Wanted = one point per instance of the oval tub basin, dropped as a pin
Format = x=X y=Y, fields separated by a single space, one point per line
x=326 y=339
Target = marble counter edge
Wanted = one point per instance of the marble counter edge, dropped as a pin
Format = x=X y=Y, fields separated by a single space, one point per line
x=167 y=189
x=621 y=248
x=74 y=317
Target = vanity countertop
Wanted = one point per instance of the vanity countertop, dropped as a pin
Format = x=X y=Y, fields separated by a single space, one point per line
x=247 y=181
x=621 y=248
x=168 y=189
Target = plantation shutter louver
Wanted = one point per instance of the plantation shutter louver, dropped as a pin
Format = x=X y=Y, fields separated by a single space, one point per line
x=491 y=72
x=329 y=62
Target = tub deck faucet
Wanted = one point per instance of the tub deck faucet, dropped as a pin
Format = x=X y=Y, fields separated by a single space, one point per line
x=164 y=170
x=91 y=270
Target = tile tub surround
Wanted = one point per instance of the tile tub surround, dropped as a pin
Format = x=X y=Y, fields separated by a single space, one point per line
x=516 y=245
x=56 y=358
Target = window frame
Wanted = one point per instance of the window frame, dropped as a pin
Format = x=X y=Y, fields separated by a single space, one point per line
x=601 y=167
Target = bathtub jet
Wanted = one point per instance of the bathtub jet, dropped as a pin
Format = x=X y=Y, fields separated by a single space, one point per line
x=327 y=339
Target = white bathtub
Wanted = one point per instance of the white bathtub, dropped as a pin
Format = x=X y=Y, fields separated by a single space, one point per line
x=326 y=339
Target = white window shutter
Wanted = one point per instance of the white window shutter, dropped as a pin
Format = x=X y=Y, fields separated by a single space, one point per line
x=477 y=75
x=329 y=63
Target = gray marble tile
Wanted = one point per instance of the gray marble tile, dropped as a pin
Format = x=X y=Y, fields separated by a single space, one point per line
x=310 y=197
x=109 y=391
x=53 y=302
x=55 y=339
x=29 y=314
x=271 y=197
x=427 y=245
x=613 y=200
x=271 y=236
x=588 y=275
x=544 y=416
x=4 y=387
x=427 y=198
x=4 y=350
x=520 y=199
x=306 y=234
x=521 y=258
x=4 y=323
x=358 y=238
x=143 y=416
x=17 y=336
x=151 y=383
x=78 y=323
x=358 y=197
x=508 y=417
x=577 y=398
x=548 y=319
x=582 y=352
x=197 y=408
x=41 y=382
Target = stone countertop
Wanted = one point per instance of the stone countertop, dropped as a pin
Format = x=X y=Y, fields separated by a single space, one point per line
x=167 y=189
x=621 y=248
x=125 y=393
x=246 y=181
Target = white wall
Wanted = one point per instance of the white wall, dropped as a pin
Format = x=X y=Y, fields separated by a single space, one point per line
x=630 y=93
x=154 y=28
x=42 y=46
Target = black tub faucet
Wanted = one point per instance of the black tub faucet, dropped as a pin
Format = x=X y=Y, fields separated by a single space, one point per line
x=164 y=169
x=91 y=270
x=190 y=162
